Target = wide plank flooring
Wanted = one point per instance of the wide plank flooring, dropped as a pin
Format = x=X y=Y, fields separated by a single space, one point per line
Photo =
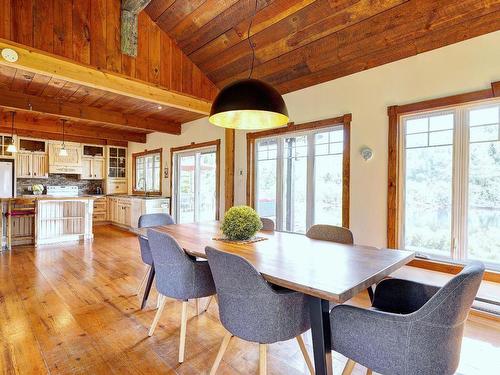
x=73 y=309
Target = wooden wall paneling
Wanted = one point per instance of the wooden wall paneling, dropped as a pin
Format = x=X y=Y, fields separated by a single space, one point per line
x=22 y=21
x=166 y=66
x=6 y=19
x=154 y=52
x=113 y=53
x=187 y=75
x=229 y=168
x=81 y=31
x=43 y=25
x=142 y=60
x=176 y=68
x=98 y=33
x=63 y=28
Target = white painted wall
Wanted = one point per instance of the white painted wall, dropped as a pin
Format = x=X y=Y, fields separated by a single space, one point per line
x=467 y=66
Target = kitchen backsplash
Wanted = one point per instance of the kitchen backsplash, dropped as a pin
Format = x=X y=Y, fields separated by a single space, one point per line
x=84 y=186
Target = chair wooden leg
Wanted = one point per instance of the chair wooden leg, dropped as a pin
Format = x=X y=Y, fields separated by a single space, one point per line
x=197 y=306
x=349 y=366
x=158 y=315
x=220 y=354
x=143 y=282
x=262 y=359
x=182 y=339
x=303 y=349
x=208 y=304
x=369 y=371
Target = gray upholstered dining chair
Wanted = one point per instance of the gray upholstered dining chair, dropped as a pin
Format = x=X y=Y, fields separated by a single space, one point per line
x=412 y=328
x=178 y=276
x=267 y=224
x=147 y=221
x=336 y=234
x=254 y=310
x=331 y=233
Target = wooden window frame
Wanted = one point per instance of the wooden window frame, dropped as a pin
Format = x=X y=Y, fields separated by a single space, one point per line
x=145 y=153
x=344 y=120
x=395 y=113
x=192 y=146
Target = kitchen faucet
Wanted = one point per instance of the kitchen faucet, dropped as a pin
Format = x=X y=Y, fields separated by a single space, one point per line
x=143 y=185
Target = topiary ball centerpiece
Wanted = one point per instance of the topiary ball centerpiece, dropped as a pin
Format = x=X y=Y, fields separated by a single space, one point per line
x=241 y=223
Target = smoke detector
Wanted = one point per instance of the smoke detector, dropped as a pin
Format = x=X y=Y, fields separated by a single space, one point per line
x=10 y=55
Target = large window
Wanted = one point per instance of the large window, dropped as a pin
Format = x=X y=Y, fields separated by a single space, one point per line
x=147 y=172
x=195 y=182
x=450 y=188
x=299 y=177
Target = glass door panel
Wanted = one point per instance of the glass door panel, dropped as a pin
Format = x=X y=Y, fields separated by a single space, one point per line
x=328 y=164
x=294 y=190
x=196 y=186
x=207 y=187
x=266 y=178
x=186 y=189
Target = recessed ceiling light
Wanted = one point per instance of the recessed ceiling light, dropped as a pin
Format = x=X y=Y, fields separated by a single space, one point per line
x=160 y=107
x=10 y=55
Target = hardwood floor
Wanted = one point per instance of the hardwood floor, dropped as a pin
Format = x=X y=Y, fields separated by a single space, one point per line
x=72 y=309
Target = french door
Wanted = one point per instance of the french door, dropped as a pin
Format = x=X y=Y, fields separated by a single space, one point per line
x=298 y=179
x=195 y=185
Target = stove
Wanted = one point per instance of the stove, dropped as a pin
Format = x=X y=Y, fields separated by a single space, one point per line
x=63 y=191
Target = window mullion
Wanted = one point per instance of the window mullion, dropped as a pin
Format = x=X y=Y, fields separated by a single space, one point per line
x=310 y=181
x=279 y=184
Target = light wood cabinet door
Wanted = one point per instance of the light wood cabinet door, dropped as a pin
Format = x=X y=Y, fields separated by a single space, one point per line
x=23 y=168
x=39 y=165
x=87 y=169
x=98 y=168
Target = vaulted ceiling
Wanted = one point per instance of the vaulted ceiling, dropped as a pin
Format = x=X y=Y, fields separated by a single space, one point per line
x=300 y=43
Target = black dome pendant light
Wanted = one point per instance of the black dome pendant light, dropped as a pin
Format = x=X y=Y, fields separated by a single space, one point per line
x=249 y=104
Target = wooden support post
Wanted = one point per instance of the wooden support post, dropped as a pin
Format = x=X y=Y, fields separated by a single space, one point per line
x=229 y=168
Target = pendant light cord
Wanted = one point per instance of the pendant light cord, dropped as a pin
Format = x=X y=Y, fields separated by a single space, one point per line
x=13 y=115
x=63 y=122
x=250 y=41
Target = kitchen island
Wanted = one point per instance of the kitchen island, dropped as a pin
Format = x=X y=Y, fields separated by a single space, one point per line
x=56 y=219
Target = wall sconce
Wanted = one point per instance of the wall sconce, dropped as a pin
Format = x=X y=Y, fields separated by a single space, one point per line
x=366 y=153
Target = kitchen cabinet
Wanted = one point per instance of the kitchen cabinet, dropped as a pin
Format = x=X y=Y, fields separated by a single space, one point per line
x=31 y=159
x=116 y=170
x=100 y=214
x=70 y=164
x=92 y=168
x=5 y=141
x=31 y=164
x=126 y=210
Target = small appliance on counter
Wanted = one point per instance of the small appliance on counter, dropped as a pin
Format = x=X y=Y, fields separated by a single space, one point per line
x=62 y=191
x=37 y=189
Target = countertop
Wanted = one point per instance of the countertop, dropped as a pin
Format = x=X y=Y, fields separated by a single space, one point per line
x=83 y=196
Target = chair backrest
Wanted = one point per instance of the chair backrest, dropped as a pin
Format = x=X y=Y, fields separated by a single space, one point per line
x=174 y=268
x=245 y=298
x=330 y=233
x=267 y=224
x=146 y=255
x=154 y=220
x=451 y=304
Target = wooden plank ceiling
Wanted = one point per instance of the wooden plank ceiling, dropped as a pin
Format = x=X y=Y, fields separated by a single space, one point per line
x=87 y=32
x=300 y=43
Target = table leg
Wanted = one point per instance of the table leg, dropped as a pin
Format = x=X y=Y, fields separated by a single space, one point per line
x=149 y=283
x=321 y=335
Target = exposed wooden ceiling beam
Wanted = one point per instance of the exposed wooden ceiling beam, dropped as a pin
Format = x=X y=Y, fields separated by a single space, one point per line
x=69 y=138
x=129 y=21
x=30 y=122
x=40 y=62
x=23 y=102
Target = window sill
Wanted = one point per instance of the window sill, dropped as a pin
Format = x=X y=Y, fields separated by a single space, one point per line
x=452 y=268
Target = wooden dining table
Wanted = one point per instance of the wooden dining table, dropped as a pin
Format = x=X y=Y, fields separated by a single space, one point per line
x=323 y=270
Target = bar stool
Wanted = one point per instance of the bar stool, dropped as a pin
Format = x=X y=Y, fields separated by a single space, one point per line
x=20 y=207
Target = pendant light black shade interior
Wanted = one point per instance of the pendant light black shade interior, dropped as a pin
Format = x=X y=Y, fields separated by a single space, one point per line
x=249 y=104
